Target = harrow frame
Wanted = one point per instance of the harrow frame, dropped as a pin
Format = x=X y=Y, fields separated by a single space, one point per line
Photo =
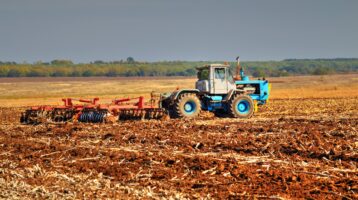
x=91 y=111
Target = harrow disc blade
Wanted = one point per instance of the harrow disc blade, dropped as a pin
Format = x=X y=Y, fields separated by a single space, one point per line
x=62 y=115
x=93 y=116
x=35 y=116
x=140 y=114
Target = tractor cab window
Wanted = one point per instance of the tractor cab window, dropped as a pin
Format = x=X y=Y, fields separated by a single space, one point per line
x=230 y=76
x=203 y=74
x=219 y=73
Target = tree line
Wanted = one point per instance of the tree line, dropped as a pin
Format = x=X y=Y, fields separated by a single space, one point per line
x=130 y=67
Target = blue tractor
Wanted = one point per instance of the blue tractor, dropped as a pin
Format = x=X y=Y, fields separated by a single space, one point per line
x=218 y=92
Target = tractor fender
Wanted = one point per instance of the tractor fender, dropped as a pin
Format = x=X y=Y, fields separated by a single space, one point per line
x=176 y=94
x=231 y=93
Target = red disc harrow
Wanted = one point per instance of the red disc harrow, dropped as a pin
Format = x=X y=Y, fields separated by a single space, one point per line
x=91 y=111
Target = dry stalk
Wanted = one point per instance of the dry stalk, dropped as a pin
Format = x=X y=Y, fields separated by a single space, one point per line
x=86 y=159
x=317 y=174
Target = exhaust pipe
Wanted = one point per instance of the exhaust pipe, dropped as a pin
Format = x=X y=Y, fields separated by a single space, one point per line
x=238 y=69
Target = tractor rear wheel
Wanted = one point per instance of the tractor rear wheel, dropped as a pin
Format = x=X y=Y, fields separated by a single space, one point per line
x=186 y=106
x=241 y=106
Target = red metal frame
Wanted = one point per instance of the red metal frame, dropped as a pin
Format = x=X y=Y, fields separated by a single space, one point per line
x=68 y=101
x=127 y=103
x=115 y=106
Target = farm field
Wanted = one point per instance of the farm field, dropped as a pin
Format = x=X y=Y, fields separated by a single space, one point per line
x=35 y=91
x=303 y=144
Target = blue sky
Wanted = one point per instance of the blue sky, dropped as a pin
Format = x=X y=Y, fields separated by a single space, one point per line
x=152 y=30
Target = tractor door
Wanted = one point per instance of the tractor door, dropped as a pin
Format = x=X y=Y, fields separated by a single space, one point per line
x=220 y=85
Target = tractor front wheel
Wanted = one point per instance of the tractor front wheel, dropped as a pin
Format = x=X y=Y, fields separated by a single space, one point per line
x=186 y=106
x=241 y=106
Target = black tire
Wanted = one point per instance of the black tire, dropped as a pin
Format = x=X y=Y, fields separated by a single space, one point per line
x=186 y=106
x=241 y=106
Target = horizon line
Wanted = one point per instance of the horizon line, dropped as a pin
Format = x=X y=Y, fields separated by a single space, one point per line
x=158 y=61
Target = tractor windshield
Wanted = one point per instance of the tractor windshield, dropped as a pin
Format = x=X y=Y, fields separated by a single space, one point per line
x=230 y=77
x=203 y=74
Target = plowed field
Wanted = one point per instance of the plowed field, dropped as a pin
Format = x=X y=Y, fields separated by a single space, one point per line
x=291 y=149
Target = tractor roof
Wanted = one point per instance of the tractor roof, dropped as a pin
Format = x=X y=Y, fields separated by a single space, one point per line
x=212 y=65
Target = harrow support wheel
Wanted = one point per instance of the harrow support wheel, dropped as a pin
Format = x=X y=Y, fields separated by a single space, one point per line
x=241 y=106
x=186 y=106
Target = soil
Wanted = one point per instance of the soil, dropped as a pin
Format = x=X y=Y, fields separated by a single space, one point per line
x=290 y=149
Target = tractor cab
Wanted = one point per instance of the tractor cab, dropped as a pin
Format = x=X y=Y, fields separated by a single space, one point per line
x=214 y=79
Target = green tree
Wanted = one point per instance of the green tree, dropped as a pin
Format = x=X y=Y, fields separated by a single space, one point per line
x=130 y=60
x=112 y=72
x=75 y=73
x=259 y=73
x=4 y=70
x=61 y=62
x=88 y=73
x=320 y=71
x=99 y=62
x=15 y=73
x=37 y=72
x=60 y=72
